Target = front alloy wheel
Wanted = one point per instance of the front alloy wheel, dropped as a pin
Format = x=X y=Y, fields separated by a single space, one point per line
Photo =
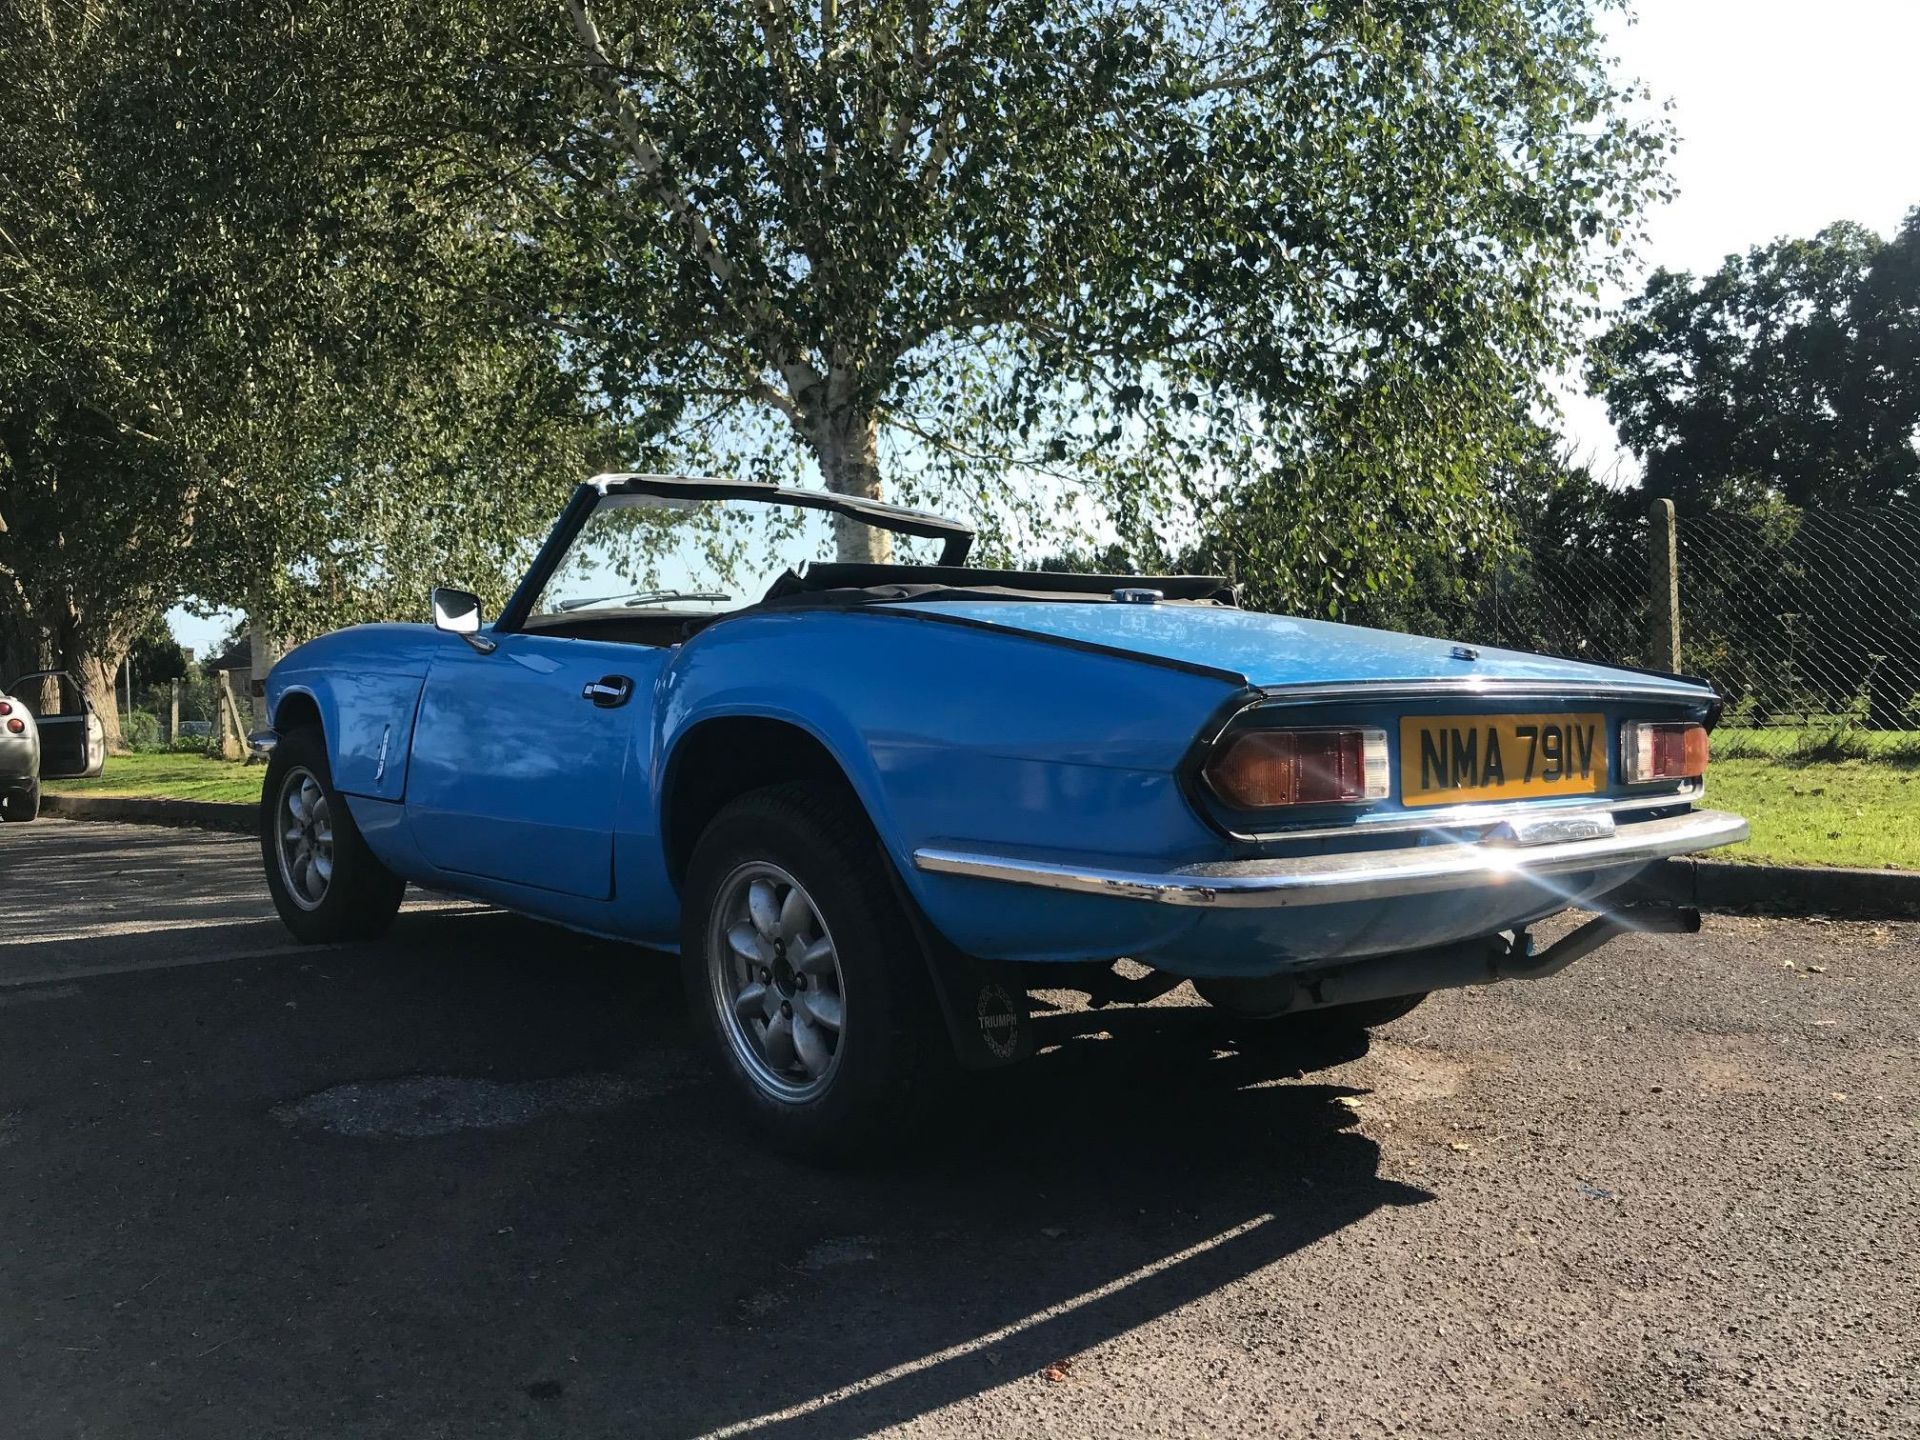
x=776 y=982
x=326 y=882
x=305 y=829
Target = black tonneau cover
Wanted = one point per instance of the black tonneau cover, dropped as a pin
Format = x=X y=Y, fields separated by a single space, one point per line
x=855 y=583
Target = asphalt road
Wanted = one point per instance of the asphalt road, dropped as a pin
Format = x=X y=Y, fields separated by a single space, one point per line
x=471 y=1181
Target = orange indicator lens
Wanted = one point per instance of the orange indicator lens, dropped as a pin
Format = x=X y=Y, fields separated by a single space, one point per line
x=1650 y=752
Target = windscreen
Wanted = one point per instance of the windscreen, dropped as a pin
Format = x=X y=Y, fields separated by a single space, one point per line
x=658 y=552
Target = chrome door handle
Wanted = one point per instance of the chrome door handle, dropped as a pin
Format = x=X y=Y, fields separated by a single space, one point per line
x=608 y=691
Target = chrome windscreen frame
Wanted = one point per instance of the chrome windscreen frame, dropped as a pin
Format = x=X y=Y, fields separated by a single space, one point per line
x=956 y=536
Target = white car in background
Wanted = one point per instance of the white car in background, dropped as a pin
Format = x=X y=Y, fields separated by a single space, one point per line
x=48 y=731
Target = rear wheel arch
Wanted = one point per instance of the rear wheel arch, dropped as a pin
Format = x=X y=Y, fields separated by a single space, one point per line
x=718 y=760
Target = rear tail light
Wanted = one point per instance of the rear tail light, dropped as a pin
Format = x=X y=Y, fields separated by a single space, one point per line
x=5 y=708
x=1260 y=769
x=17 y=726
x=1651 y=752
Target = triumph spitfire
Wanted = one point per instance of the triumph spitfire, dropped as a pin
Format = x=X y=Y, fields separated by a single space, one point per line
x=871 y=804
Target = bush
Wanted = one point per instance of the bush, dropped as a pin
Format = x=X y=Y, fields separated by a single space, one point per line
x=141 y=730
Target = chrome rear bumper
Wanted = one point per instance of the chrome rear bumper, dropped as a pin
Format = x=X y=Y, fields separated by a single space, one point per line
x=1367 y=875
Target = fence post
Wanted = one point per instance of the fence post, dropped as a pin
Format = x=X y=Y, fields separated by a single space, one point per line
x=227 y=729
x=1663 y=589
x=173 y=711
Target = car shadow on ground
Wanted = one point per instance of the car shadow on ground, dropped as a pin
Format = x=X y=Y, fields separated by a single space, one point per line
x=208 y=1247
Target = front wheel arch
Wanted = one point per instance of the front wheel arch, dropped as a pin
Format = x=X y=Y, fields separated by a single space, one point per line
x=297 y=710
x=359 y=895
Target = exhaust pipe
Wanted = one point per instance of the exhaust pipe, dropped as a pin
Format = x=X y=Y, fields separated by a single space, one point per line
x=1454 y=967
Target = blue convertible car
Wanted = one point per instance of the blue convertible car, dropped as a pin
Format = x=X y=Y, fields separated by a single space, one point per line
x=870 y=804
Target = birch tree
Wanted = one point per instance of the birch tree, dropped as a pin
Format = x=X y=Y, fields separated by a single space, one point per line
x=1008 y=253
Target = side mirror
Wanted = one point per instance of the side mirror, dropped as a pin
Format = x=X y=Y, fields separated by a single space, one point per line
x=458 y=613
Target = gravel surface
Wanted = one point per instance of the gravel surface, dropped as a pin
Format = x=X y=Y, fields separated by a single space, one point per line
x=471 y=1181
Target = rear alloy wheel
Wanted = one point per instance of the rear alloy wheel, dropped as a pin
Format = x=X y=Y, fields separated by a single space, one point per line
x=326 y=882
x=805 y=975
x=776 y=981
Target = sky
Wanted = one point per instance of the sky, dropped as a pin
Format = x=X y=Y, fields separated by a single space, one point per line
x=1791 y=114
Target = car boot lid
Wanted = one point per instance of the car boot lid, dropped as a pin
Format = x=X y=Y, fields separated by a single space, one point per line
x=1282 y=651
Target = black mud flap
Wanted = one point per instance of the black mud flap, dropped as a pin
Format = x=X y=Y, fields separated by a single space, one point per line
x=984 y=1002
x=985 y=1005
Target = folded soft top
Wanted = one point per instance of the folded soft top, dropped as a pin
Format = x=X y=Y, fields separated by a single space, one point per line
x=857 y=583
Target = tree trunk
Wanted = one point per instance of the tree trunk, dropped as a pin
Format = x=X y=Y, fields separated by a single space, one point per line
x=265 y=654
x=98 y=674
x=847 y=443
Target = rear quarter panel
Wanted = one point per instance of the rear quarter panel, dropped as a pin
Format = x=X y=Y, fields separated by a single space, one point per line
x=959 y=736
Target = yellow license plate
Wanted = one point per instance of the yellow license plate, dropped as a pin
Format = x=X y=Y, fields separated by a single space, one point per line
x=1452 y=759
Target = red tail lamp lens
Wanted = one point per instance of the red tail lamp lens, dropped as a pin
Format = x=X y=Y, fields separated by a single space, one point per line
x=1260 y=769
x=5 y=708
x=17 y=726
x=1651 y=752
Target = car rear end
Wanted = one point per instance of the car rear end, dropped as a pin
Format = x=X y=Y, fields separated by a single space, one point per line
x=1376 y=818
x=1364 y=794
x=1362 y=820
x=19 y=761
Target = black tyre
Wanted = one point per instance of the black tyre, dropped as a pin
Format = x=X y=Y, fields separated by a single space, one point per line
x=20 y=804
x=326 y=884
x=805 y=976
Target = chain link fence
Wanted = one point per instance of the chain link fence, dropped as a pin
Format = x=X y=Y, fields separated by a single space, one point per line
x=1585 y=604
x=1806 y=617
x=1800 y=618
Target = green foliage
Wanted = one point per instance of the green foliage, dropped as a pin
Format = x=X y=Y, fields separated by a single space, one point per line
x=156 y=657
x=1073 y=265
x=93 y=461
x=1805 y=745
x=197 y=395
x=1792 y=373
x=141 y=730
x=181 y=776
x=327 y=305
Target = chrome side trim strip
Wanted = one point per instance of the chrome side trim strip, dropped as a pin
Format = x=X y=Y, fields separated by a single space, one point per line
x=1343 y=878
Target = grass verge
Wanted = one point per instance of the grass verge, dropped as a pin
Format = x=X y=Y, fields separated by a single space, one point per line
x=1816 y=743
x=180 y=777
x=1829 y=812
